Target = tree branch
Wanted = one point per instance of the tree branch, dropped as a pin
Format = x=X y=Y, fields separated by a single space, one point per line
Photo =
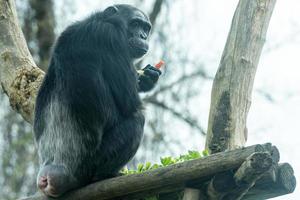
x=199 y=73
x=20 y=78
x=232 y=87
x=155 y=11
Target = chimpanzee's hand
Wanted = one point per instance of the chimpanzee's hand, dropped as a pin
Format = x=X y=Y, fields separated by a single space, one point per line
x=148 y=77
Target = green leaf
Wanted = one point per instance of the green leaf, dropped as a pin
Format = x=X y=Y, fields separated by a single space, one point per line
x=132 y=171
x=140 y=167
x=167 y=161
x=147 y=165
x=194 y=154
x=155 y=166
x=205 y=152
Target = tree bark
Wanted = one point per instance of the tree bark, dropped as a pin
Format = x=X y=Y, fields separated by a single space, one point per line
x=232 y=87
x=19 y=76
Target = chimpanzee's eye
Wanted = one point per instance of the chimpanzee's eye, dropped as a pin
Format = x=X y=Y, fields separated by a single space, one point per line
x=147 y=28
x=134 y=24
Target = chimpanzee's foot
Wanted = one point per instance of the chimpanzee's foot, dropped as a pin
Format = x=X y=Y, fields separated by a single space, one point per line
x=53 y=180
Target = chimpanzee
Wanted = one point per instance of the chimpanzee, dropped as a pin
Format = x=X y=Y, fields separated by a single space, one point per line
x=88 y=116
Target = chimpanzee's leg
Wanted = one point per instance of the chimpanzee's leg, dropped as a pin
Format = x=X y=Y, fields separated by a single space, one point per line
x=67 y=151
x=119 y=145
x=71 y=164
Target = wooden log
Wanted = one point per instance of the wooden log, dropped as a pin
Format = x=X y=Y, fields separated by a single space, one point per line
x=231 y=186
x=267 y=187
x=248 y=173
x=138 y=185
x=220 y=184
x=232 y=87
x=253 y=168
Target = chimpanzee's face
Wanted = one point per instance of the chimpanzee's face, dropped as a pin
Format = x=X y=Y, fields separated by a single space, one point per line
x=139 y=28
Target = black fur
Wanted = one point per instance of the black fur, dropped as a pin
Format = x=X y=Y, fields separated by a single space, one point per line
x=88 y=116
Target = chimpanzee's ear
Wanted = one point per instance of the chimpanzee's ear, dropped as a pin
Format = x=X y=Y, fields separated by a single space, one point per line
x=110 y=11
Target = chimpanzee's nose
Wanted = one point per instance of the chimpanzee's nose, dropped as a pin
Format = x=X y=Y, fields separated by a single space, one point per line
x=143 y=35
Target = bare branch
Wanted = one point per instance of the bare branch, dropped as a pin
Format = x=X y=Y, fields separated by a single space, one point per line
x=155 y=11
x=192 y=122
x=187 y=77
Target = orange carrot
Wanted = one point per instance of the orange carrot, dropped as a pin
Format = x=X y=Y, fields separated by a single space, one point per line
x=160 y=64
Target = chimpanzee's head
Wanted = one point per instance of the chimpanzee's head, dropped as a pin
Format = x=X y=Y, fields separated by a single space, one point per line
x=138 y=27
